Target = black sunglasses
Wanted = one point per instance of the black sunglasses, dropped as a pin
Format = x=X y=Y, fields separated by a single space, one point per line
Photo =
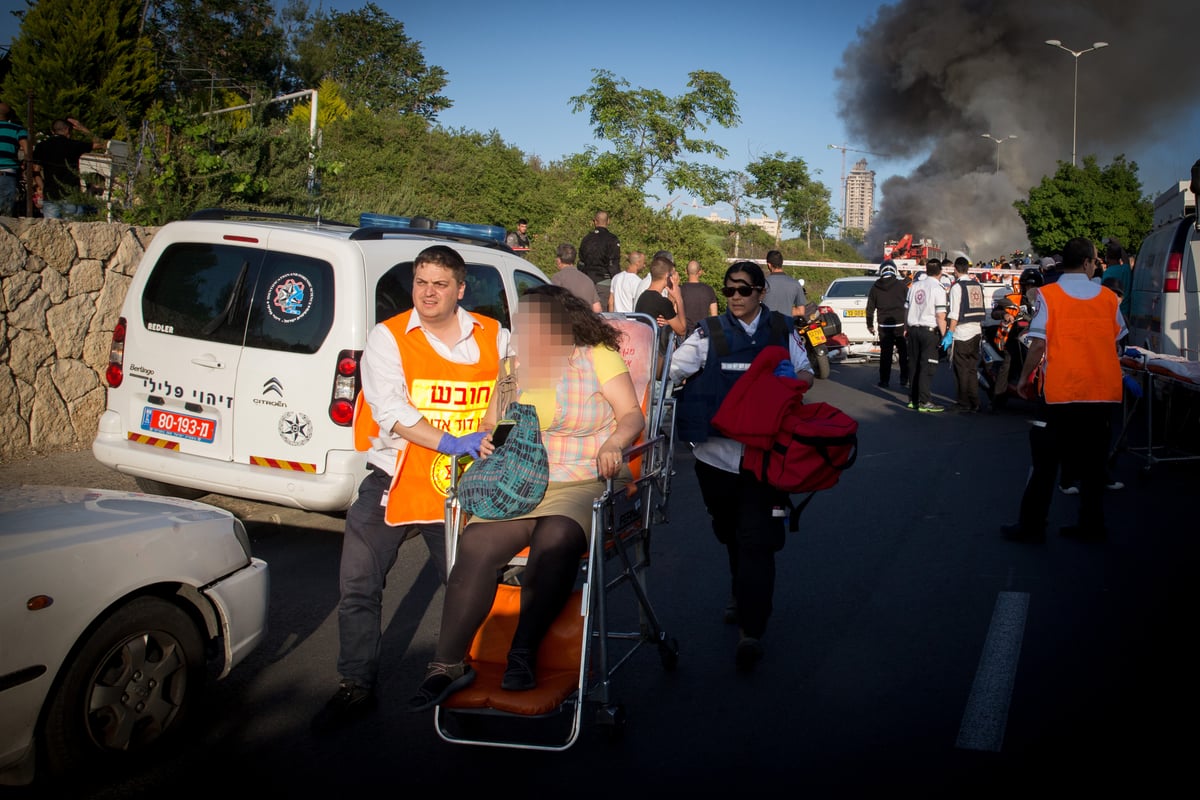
x=744 y=291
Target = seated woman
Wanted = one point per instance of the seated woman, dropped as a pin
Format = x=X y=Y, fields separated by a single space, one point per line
x=570 y=369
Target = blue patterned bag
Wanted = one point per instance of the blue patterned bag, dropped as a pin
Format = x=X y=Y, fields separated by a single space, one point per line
x=512 y=480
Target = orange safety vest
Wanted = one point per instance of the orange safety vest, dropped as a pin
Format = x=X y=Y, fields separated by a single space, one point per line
x=452 y=397
x=1081 y=352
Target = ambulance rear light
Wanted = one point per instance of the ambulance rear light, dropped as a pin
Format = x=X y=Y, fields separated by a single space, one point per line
x=115 y=373
x=1174 y=272
x=345 y=388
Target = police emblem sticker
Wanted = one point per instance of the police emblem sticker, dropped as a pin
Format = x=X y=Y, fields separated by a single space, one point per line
x=289 y=298
x=295 y=428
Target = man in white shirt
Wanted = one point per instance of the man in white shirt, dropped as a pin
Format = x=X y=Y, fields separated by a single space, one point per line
x=926 y=320
x=624 y=292
x=967 y=310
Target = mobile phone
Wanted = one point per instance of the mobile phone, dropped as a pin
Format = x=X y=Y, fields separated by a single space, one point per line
x=500 y=433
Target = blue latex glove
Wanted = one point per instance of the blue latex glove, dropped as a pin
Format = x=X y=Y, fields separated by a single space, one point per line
x=461 y=445
x=946 y=340
x=785 y=370
x=1131 y=383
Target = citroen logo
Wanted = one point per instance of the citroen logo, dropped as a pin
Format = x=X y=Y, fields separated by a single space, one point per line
x=273 y=385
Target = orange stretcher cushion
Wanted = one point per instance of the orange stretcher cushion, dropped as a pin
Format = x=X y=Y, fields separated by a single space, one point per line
x=557 y=663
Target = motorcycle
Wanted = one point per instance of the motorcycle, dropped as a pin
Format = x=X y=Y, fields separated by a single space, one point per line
x=820 y=330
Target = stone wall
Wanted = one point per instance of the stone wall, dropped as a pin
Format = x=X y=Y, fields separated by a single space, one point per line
x=61 y=289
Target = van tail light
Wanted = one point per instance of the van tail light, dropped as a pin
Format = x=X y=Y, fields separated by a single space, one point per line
x=1174 y=271
x=345 y=388
x=115 y=373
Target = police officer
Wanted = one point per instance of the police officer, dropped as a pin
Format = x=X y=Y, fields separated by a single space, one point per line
x=963 y=321
x=926 y=320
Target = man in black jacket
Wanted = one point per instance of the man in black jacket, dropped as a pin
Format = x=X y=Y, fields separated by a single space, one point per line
x=886 y=299
x=600 y=256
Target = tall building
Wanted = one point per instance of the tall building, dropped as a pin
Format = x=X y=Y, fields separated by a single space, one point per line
x=860 y=197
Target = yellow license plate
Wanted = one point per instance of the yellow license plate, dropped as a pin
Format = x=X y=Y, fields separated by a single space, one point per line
x=855 y=312
x=816 y=336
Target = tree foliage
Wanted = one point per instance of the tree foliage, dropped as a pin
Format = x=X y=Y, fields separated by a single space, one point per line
x=83 y=59
x=208 y=45
x=1087 y=201
x=652 y=133
x=807 y=209
x=776 y=180
x=368 y=54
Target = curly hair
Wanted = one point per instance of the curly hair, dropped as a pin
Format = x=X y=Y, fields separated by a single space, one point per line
x=587 y=327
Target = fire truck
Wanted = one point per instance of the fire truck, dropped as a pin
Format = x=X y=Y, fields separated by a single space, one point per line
x=909 y=253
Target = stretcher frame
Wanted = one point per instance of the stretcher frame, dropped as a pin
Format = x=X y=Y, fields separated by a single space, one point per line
x=1166 y=388
x=623 y=518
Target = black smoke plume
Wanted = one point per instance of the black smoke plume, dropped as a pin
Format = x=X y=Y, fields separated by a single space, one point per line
x=927 y=78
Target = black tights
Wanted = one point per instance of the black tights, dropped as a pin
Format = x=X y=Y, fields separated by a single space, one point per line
x=555 y=546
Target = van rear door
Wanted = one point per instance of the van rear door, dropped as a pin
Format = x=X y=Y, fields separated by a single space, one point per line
x=182 y=355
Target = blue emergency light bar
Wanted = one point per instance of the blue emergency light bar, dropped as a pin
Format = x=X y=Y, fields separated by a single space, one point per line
x=493 y=233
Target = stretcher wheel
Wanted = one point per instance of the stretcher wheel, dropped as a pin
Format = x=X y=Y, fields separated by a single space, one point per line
x=668 y=652
x=611 y=718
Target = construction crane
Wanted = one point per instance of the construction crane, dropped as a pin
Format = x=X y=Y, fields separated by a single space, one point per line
x=844 y=148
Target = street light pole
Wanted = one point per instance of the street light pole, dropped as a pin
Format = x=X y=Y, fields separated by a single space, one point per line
x=1075 y=104
x=998 y=143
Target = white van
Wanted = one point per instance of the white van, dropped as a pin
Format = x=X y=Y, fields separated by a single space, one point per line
x=234 y=365
x=1165 y=306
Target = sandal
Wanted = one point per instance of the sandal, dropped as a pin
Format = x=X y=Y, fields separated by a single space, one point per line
x=441 y=681
x=519 y=676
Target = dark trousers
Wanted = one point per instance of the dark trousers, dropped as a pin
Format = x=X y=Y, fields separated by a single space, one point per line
x=741 y=510
x=369 y=550
x=892 y=339
x=966 y=378
x=1076 y=438
x=923 y=357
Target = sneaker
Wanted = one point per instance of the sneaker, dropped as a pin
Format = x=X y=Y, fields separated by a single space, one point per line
x=520 y=675
x=882 y=384
x=749 y=653
x=349 y=703
x=1114 y=486
x=441 y=681
x=1071 y=489
x=931 y=408
x=910 y=405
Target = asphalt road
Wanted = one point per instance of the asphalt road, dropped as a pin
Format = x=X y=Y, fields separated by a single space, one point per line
x=912 y=651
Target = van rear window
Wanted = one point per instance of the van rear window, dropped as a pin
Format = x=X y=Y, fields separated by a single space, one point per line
x=240 y=295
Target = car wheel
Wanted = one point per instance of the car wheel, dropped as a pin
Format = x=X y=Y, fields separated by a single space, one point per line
x=129 y=689
x=151 y=486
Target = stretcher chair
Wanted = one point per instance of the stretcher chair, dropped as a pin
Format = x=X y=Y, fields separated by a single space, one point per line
x=580 y=654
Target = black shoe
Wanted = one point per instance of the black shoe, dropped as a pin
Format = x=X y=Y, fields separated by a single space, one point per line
x=1020 y=533
x=520 y=675
x=882 y=384
x=1085 y=533
x=904 y=382
x=441 y=681
x=349 y=703
x=749 y=653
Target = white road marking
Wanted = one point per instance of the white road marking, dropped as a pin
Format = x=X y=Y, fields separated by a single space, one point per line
x=986 y=714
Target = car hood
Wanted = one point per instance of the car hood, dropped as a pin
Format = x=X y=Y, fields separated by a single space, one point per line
x=48 y=517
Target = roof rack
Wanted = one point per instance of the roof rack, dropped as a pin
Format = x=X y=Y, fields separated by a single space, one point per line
x=376 y=226
x=230 y=213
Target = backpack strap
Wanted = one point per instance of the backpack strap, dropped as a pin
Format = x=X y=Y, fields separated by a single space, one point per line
x=794 y=516
x=716 y=335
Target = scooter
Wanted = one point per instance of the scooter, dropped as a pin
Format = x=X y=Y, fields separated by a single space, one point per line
x=819 y=328
x=991 y=359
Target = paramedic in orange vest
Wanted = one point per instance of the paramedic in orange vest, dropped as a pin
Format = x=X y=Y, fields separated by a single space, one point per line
x=1074 y=331
x=427 y=376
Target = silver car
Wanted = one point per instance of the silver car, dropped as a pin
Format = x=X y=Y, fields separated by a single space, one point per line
x=113 y=607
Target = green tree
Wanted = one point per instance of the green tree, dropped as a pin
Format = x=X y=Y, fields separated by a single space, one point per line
x=777 y=179
x=652 y=133
x=84 y=59
x=807 y=208
x=206 y=46
x=1087 y=201
x=368 y=54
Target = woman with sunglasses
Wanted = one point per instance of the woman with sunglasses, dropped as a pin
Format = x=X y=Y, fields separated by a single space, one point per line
x=747 y=514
